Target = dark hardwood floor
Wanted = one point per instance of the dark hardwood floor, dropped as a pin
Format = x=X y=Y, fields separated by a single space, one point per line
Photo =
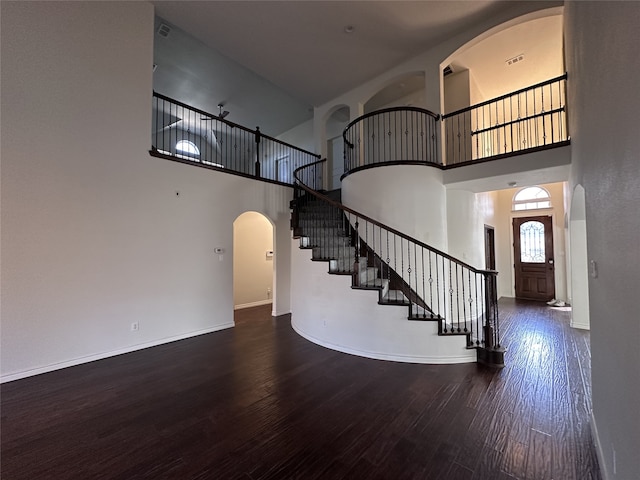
x=260 y=402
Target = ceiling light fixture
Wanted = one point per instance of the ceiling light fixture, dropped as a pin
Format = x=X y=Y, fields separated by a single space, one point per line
x=512 y=184
x=222 y=113
x=349 y=29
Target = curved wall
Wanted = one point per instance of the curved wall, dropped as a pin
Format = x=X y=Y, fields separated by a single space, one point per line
x=409 y=198
x=353 y=322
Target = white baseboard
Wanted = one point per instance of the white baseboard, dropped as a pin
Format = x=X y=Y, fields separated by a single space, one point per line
x=599 y=452
x=99 y=356
x=582 y=326
x=454 y=359
x=253 y=304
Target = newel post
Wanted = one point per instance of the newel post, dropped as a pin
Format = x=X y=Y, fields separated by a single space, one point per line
x=491 y=305
x=258 y=136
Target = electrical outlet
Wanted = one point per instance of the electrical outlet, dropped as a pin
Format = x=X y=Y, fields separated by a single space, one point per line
x=134 y=327
x=268 y=292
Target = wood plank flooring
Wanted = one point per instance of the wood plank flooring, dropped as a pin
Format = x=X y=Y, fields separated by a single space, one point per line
x=259 y=402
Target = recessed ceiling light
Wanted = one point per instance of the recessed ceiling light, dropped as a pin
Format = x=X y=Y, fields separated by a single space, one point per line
x=512 y=184
x=349 y=29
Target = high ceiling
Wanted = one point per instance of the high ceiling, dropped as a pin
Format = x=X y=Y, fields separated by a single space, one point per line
x=302 y=48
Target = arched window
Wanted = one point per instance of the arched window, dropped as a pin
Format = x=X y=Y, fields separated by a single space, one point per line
x=531 y=198
x=187 y=147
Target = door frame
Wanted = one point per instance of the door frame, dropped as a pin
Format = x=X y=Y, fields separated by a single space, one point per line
x=542 y=212
x=489 y=247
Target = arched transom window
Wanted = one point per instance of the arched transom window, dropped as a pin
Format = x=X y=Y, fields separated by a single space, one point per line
x=187 y=147
x=531 y=198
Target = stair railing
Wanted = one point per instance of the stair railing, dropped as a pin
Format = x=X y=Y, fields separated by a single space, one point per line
x=212 y=141
x=434 y=285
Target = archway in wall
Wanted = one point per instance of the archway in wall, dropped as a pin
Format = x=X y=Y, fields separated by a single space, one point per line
x=513 y=56
x=253 y=261
x=579 y=260
x=334 y=127
x=405 y=91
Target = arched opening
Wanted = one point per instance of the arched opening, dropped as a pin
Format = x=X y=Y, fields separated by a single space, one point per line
x=405 y=91
x=514 y=56
x=579 y=260
x=531 y=198
x=253 y=261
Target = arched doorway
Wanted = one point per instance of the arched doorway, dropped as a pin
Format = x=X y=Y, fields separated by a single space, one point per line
x=253 y=261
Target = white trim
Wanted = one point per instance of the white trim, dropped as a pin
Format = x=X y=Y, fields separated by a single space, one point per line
x=278 y=314
x=99 y=356
x=599 y=453
x=583 y=326
x=454 y=359
x=253 y=304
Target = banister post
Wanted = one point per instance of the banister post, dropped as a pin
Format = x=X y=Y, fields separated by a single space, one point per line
x=258 y=135
x=489 y=307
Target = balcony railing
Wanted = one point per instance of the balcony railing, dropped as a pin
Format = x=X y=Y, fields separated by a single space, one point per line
x=211 y=141
x=392 y=135
x=531 y=118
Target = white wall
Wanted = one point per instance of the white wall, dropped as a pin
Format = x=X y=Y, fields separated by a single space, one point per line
x=301 y=136
x=467 y=214
x=412 y=200
x=579 y=261
x=97 y=234
x=601 y=45
x=252 y=267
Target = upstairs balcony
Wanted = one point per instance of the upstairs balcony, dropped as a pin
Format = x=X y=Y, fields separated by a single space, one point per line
x=522 y=122
x=526 y=121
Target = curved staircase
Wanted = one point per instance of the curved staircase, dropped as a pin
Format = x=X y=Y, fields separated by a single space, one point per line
x=433 y=286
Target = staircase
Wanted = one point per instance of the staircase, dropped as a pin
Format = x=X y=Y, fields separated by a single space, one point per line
x=430 y=284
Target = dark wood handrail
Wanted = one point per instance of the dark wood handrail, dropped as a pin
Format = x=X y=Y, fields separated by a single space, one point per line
x=502 y=97
x=518 y=120
x=385 y=110
x=344 y=208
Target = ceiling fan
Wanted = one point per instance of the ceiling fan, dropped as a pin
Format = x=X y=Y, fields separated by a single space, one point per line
x=221 y=114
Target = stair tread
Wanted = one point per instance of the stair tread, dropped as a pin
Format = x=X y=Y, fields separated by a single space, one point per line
x=375 y=283
x=395 y=297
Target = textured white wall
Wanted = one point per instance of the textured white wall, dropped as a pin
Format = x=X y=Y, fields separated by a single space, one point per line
x=601 y=45
x=252 y=268
x=467 y=213
x=95 y=236
x=412 y=200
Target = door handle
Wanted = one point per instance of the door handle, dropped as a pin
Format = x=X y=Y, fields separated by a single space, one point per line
x=551 y=261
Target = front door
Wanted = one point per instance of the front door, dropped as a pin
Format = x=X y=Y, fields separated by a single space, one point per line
x=533 y=255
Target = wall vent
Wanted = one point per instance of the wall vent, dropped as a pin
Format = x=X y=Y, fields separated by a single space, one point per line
x=516 y=59
x=447 y=71
x=164 y=30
